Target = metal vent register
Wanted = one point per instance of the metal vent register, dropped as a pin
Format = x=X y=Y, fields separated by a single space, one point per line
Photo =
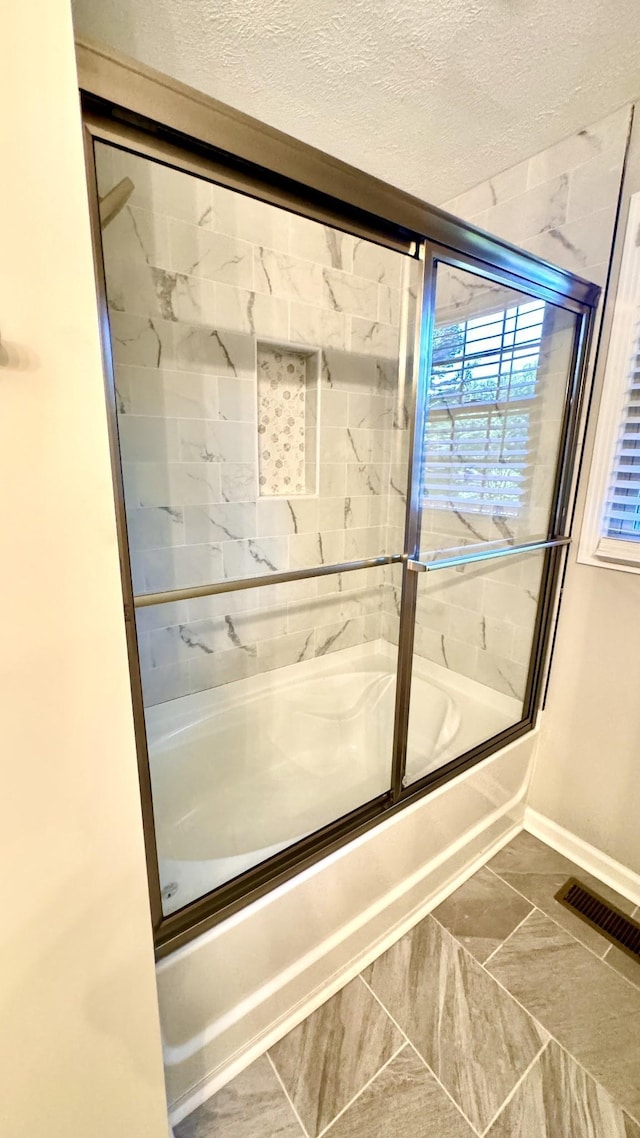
x=601 y=915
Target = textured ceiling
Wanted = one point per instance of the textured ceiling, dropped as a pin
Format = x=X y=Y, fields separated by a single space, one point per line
x=434 y=96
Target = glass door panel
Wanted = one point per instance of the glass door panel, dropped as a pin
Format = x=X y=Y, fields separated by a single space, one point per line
x=269 y=714
x=263 y=412
x=474 y=635
x=501 y=365
x=259 y=365
x=487 y=450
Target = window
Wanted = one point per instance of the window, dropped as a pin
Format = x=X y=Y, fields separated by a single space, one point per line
x=479 y=432
x=622 y=504
x=611 y=528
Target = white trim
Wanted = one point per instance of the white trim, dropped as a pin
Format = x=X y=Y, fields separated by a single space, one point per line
x=609 y=553
x=588 y=857
x=626 y=554
x=419 y=906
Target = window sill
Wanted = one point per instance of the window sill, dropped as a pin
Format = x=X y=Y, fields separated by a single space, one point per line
x=611 y=554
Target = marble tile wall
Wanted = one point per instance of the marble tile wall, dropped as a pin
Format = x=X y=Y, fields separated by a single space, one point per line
x=560 y=205
x=196 y=274
x=197 y=277
x=202 y=643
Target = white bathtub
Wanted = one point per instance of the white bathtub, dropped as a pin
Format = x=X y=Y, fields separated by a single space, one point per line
x=241 y=771
x=231 y=993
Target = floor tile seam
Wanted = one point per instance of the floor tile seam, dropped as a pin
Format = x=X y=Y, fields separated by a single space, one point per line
x=564 y=929
x=366 y=1086
x=501 y=879
x=621 y=975
x=287 y=1096
x=550 y=1034
x=518 y=1084
x=444 y=1089
x=421 y=1057
x=545 y=914
x=503 y=942
x=511 y=996
x=598 y=1082
x=578 y=872
x=541 y=1027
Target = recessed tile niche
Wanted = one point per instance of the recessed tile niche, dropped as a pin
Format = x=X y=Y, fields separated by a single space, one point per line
x=288 y=391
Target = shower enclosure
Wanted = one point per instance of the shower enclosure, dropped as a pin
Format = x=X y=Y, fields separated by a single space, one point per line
x=343 y=429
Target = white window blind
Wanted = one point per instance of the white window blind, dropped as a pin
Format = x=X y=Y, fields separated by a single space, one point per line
x=621 y=517
x=611 y=527
x=480 y=427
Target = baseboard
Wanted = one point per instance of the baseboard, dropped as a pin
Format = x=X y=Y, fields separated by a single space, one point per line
x=480 y=846
x=588 y=857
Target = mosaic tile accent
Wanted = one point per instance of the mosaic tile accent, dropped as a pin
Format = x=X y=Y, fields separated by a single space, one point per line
x=282 y=378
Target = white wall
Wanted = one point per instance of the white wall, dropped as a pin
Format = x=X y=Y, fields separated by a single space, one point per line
x=430 y=97
x=561 y=204
x=79 y=1030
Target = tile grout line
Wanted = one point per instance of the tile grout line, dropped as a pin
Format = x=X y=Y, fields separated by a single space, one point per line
x=603 y=959
x=408 y=1042
x=501 y=945
x=420 y=1057
x=540 y=1025
x=361 y=1091
x=287 y=1096
x=530 y=902
x=612 y=968
x=517 y=1085
x=623 y=1109
x=431 y=1071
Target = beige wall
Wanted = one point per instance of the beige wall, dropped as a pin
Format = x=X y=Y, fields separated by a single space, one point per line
x=587 y=777
x=587 y=771
x=79 y=1028
x=561 y=204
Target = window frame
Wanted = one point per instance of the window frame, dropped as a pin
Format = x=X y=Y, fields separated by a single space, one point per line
x=594 y=547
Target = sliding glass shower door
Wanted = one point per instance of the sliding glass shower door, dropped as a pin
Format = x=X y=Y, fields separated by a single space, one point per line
x=490 y=429
x=342 y=454
x=262 y=368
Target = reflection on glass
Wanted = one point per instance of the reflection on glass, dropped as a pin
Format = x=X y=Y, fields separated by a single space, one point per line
x=269 y=714
x=501 y=362
x=473 y=641
x=260 y=380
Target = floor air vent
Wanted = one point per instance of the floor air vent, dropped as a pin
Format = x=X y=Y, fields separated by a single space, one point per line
x=601 y=915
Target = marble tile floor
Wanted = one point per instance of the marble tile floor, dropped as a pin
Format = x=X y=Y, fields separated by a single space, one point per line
x=499 y=1014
